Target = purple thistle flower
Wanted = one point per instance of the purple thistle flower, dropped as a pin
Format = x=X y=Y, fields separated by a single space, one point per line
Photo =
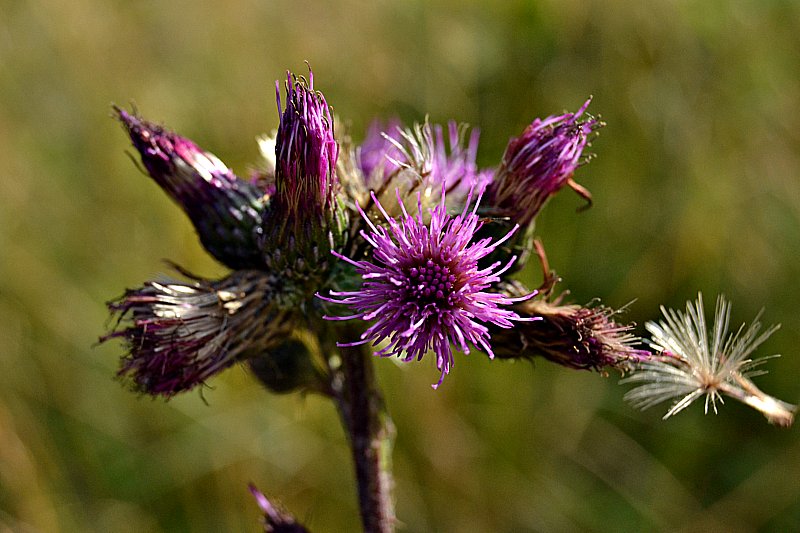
x=423 y=289
x=537 y=164
x=225 y=211
x=181 y=334
x=424 y=161
x=378 y=153
x=443 y=164
x=456 y=166
x=305 y=152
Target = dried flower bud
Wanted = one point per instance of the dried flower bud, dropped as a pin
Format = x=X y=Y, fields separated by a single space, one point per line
x=180 y=334
x=275 y=520
x=225 y=211
x=537 y=164
x=575 y=336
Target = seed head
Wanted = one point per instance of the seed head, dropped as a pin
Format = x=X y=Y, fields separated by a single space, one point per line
x=702 y=363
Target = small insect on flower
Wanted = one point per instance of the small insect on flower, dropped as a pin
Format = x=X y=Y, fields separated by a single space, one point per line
x=423 y=289
x=697 y=362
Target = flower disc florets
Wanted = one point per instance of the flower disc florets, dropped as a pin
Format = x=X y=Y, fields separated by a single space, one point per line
x=423 y=287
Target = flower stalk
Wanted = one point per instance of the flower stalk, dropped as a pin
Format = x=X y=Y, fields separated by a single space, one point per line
x=371 y=433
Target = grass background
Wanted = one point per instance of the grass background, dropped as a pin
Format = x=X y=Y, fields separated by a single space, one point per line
x=696 y=188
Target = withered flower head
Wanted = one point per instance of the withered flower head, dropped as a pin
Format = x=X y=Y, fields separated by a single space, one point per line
x=576 y=336
x=180 y=334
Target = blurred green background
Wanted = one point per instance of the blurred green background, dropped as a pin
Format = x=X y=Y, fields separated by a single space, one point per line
x=695 y=185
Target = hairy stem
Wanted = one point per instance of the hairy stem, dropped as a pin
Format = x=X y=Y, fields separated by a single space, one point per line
x=371 y=434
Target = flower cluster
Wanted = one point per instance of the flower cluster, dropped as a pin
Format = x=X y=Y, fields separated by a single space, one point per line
x=428 y=280
x=323 y=225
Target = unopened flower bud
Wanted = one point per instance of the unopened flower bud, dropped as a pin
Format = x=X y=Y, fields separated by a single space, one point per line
x=305 y=159
x=306 y=218
x=287 y=367
x=226 y=211
x=537 y=164
x=276 y=520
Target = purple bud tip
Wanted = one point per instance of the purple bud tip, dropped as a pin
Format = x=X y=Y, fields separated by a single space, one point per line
x=306 y=150
x=538 y=163
x=225 y=210
x=275 y=520
x=181 y=167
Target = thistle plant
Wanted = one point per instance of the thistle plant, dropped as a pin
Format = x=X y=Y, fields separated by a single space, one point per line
x=400 y=246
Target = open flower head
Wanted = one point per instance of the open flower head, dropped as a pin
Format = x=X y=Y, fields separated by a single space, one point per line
x=422 y=159
x=422 y=287
x=538 y=163
x=377 y=156
x=699 y=362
